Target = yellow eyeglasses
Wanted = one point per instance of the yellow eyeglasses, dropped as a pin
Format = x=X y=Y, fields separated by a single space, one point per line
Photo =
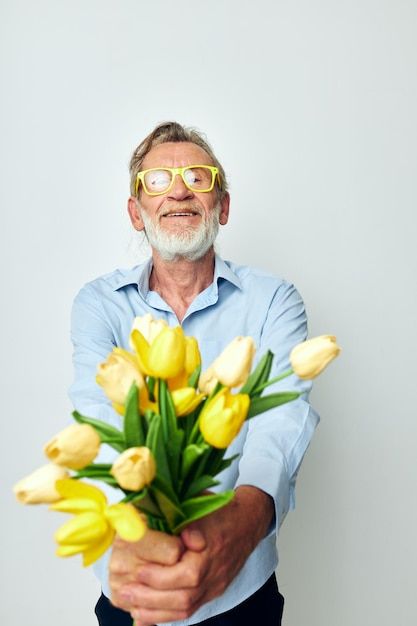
x=159 y=180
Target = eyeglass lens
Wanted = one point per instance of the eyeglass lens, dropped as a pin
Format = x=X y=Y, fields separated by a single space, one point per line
x=198 y=178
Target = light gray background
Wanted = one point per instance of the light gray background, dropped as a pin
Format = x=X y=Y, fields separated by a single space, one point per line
x=311 y=106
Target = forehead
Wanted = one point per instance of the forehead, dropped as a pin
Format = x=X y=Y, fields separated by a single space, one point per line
x=176 y=154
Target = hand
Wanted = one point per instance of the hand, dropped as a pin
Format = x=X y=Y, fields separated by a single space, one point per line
x=216 y=548
x=127 y=558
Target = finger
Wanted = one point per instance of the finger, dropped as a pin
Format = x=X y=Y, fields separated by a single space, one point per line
x=147 y=617
x=193 y=539
x=155 y=547
x=143 y=597
x=158 y=547
x=187 y=573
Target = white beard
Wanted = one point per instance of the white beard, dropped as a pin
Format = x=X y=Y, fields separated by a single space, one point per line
x=190 y=243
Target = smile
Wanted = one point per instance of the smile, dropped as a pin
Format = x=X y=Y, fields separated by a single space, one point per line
x=181 y=214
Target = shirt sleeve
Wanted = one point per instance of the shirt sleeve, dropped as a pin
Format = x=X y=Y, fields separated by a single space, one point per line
x=278 y=439
x=92 y=340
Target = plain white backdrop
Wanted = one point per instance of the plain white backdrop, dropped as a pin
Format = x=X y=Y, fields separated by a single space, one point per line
x=311 y=107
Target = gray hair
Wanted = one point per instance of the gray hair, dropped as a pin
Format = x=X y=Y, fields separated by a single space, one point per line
x=167 y=132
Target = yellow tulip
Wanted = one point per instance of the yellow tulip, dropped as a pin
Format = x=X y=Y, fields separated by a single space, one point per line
x=232 y=367
x=39 y=487
x=165 y=356
x=75 y=447
x=92 y=529
x=222 y=417
x=234 y=364
x=148 y=327
x=134 y=468
x=116 y=376
x=186 y=400
x=310 y=358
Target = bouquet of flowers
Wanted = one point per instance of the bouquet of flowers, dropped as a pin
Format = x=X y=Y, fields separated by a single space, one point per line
x=177 y=426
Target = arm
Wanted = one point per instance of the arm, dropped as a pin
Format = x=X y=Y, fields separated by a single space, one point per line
x=92 y=339
x=278 y=439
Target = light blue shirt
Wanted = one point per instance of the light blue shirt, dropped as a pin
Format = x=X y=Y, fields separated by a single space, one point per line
x=240 y=301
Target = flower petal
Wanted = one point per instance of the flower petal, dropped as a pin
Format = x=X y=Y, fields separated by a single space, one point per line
x=127 y=521
x=71 y=488
x=142 y=349
x=70 y=549
x=82 y=529
x=94 y=551
x=76 y=505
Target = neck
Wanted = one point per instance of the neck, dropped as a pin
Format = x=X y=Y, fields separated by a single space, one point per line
x=179 y=282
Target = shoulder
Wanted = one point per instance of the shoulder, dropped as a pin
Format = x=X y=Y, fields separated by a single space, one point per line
x=256 y=279
x=109 y=283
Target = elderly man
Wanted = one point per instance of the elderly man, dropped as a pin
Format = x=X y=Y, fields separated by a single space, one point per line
x=220 y=571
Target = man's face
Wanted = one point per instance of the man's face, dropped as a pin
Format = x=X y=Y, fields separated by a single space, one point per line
x=180 y=218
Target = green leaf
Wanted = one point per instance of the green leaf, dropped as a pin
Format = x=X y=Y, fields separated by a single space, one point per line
x=143 y=501
x=199 y=485
x=265 y=403
x=173 y=436
x=118 y=444
x=170 y=509
x=155 y=442
x=133 y=427
x=190 y=455
x=167 y=409
x=196 y=508
x=259 y=375
x=224 y=463
x=95 y=469
x=151 y=387
x=195 y=377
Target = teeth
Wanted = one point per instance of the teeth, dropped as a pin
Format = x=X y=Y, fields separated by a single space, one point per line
x=179 y=214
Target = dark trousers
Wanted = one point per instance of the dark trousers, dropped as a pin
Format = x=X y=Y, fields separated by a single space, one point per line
x=264 y=607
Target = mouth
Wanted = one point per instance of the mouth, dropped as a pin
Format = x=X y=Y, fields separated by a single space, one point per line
x=181 y=214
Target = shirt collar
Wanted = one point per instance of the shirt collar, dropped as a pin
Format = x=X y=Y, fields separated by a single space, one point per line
x=139 y=275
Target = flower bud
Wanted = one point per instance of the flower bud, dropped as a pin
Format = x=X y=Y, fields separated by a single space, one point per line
x=222 y=417
x=148 y=326
x=75 y=447
x=310 y=358
x=134 y=468
x=234 y=364
x=117 y=374
x=165 y=357
x=186 y=400
x=39 y=487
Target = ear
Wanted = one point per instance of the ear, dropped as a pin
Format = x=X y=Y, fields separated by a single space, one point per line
x=224 y=210
x=134 y=213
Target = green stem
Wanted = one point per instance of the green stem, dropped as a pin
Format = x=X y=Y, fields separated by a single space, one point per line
x=195 y=431
x=272 y=381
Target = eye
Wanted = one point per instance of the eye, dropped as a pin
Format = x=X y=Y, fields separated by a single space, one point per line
x=198 y=177
x=157 y=180
x=192 y=176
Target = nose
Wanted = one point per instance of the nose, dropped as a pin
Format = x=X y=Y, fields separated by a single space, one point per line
x=178 y=190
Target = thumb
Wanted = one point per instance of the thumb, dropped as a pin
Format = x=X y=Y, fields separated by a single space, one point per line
x=193 y=539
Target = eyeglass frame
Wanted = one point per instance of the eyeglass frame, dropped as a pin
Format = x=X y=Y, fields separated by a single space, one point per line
x=177 y=171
